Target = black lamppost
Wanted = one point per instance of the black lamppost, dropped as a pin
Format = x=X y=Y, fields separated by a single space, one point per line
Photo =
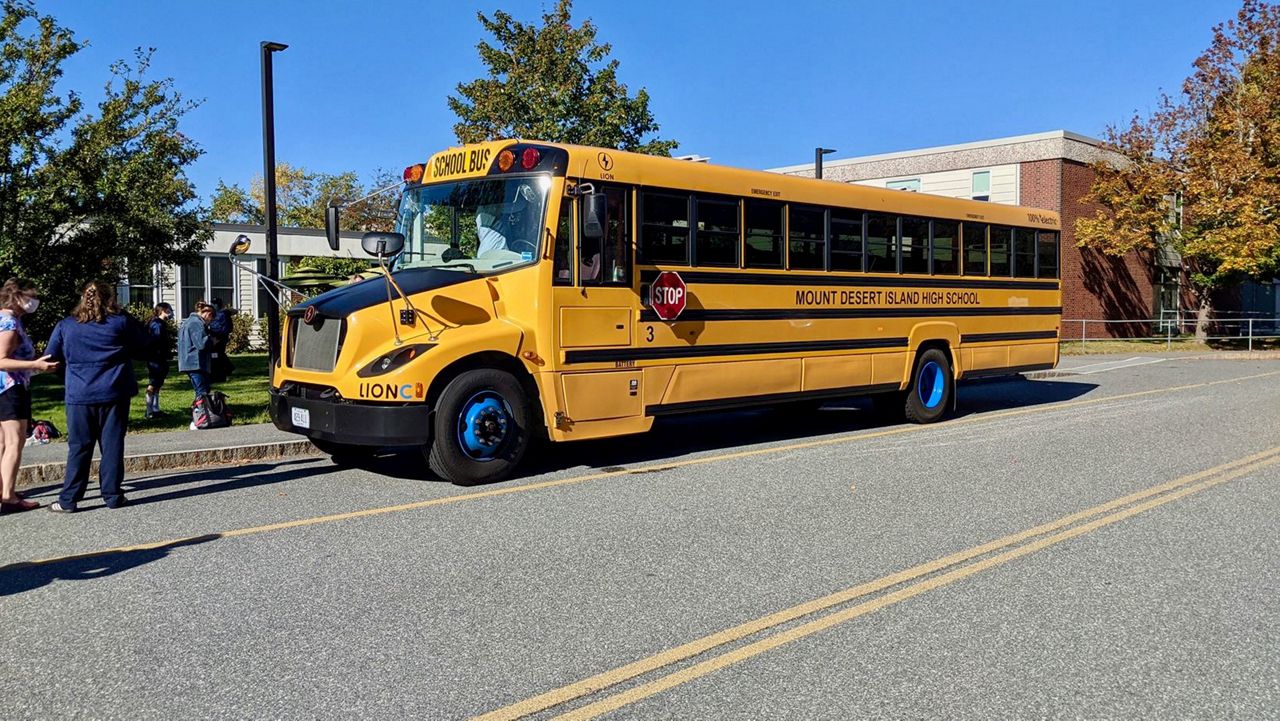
x=269 y=189
x=817 y=160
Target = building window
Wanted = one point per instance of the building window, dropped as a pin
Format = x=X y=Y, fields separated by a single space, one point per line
x=191 y=287
x=664 y=235
x=222 y=282
x=946 y=261
x=808 y=238
x=975 y=248
x=716 y=239
x=912 y=184
x=981 y=185
x=846 y=239
x=882 y=243
x=764 y=234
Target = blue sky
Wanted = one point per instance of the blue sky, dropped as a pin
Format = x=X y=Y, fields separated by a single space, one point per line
x=750 y=84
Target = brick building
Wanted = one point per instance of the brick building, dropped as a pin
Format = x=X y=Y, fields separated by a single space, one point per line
x=1044 y=170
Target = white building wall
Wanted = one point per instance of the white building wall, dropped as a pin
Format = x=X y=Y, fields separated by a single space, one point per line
x=959 y=183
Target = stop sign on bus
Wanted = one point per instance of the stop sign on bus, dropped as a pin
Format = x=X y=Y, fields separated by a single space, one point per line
x=667 y=295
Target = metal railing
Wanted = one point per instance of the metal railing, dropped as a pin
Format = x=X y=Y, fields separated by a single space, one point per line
x=1170 y=327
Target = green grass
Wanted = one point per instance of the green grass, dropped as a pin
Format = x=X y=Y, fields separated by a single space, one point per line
x=246 y=392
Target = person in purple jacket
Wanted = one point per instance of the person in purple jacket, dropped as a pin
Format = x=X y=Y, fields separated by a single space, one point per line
x=98 y=343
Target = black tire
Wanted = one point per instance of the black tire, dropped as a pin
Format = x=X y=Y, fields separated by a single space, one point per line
x=932 y=384
x=343 y=454
x=502 y=423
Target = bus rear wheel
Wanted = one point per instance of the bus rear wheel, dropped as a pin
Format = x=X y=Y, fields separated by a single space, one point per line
x=932 y=385
x=481 y=429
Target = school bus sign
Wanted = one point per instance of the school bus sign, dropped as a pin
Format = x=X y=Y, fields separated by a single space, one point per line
x=667 y=295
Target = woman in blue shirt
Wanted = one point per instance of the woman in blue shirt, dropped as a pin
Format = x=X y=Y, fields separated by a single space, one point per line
x=98 y=343
x=17 y=364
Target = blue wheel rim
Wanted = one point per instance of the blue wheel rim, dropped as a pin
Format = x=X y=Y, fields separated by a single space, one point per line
x=484 y=426
x=932 y=384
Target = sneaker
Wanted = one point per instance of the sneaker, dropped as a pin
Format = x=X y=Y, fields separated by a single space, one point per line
x=57 y=507
x=193 y=426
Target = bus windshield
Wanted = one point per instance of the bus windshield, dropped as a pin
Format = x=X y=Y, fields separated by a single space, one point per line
x=473 y=225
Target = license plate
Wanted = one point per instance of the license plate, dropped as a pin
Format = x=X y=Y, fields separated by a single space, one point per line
x=301 y=417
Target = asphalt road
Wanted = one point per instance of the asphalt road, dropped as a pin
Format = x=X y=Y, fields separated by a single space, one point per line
x=1101 y=545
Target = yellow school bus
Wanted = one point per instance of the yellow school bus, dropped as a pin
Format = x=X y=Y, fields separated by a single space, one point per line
x=539 y=290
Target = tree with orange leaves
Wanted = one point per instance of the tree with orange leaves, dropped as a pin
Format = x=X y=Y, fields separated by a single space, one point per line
x=1201 y=174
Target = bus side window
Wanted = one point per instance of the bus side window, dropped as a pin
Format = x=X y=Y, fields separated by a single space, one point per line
x=716 y=232
x=1001 y=247
x=1024 y=253
x=882 y=243
x=764 y=234
x=975 y=248
x=1047 y=254
x=846 y=239
x=914 y=245
x=808 y=238
x=664 y=233
x=607 y=260
x=946 y=261
x=562 y=255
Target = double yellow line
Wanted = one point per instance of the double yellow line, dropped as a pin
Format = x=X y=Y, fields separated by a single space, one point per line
x=666 y=466
x=918 y=579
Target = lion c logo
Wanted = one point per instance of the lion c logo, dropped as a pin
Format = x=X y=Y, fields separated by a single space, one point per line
x=606 y=162
x=309 y=314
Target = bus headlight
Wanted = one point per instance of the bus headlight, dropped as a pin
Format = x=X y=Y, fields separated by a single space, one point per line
x=393 y=360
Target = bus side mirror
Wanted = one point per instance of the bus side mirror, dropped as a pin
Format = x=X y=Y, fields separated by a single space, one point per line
x=331 y=231
x=593 y=216
x=382 y=245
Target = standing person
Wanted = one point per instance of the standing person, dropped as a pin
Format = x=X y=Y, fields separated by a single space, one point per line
x=98 y=343
x=220 y=330
x=161 y=337
x=194 y=349
x=17 y=364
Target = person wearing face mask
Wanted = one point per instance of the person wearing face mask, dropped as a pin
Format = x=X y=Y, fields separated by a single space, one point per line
x=195 y=349
x=18 y=363
x=97 y=343
x=161 y=336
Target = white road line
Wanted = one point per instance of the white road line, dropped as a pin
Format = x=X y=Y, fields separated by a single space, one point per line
x=1101 y=363
x=1127 y=365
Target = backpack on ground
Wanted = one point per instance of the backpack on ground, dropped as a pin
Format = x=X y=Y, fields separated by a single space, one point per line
x=211 y=411
x=41 y=432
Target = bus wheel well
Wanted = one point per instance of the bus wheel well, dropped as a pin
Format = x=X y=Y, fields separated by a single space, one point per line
x=941 y=345
x=487 y=359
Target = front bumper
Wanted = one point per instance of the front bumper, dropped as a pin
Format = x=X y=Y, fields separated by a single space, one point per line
x=357 y=424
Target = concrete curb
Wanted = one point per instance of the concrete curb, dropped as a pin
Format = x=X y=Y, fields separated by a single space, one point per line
x=52 y=473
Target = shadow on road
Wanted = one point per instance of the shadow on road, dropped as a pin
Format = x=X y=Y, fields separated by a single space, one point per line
x=18 y=578
x=211 y=480
x=678 y=435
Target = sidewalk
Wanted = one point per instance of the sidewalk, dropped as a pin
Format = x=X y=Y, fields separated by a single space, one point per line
x=42 y=465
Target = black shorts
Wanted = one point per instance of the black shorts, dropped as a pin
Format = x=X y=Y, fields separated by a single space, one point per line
x=15 y=404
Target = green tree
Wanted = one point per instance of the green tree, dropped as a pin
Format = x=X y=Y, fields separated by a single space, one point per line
x=87 y=195
x=1202 y=172
x=553 y=82
x=303 y=195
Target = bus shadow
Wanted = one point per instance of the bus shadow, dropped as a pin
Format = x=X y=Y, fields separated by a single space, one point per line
x=679 y=435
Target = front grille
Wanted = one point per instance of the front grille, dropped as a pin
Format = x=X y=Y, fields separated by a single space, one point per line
x=315 y=345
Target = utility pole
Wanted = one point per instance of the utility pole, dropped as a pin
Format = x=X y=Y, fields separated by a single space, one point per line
x=817 y=160
x=269 y=191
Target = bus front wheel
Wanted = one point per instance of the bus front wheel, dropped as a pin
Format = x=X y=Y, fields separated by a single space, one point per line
x=481 y=428
x=932 y=384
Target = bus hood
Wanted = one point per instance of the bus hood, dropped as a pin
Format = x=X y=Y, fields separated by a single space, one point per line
x=341 y=302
